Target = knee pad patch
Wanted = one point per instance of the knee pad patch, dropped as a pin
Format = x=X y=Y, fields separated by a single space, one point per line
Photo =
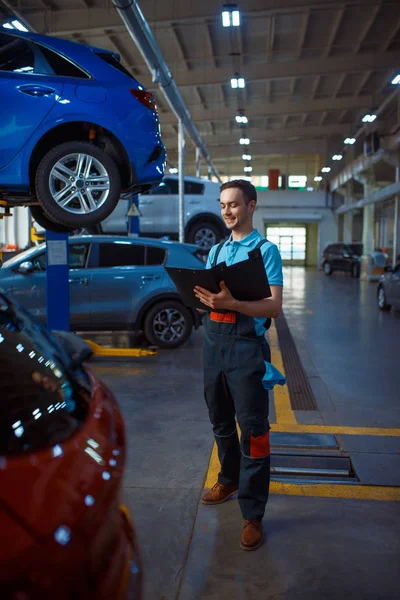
x=260 y=445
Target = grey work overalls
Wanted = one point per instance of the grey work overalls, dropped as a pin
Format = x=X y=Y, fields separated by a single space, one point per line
x=234 y=367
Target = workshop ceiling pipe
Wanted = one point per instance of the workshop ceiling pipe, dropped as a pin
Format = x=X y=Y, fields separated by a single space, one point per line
x=141 y=34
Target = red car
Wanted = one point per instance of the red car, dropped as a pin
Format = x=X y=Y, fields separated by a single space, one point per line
x=64 y=531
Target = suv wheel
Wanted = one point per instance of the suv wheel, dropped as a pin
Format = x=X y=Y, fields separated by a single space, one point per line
x=77 y=184
x=43 y=220
x=168 y=324
x=355 y=270
x=327 y=268
x=205 y=235
x=383 y=305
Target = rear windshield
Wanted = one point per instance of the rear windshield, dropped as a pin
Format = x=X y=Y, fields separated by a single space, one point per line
x=42 y=402
x=356 y=249
x=112 y=60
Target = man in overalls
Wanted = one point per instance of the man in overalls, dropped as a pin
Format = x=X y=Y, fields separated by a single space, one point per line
x=235 y=353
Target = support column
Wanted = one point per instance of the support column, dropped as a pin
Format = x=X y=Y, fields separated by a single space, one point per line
x=348 y=216
x=368 y=236
x=198 y=163
x=396 y=222
x=181 y=167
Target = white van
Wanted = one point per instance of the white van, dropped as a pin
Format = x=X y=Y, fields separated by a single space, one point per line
x=159 y=209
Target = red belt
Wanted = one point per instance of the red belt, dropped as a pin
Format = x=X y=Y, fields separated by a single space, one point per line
x=223 y=317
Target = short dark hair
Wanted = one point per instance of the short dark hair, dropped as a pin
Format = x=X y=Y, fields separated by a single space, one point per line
x=247 y=188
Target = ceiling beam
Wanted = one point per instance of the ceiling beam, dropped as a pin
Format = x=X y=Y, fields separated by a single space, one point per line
x=303 y=35
x=259 y=136
x=179 y=46
x=364 y=32
x=72 y=20
x=210 y=44
x=278 y=148
x=389 y=36
x=334 y=30
x=276 y=109
x=285 y=70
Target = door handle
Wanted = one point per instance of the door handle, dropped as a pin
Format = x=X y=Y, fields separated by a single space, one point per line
x=36 y=90
x=80 y=281
x=150 y=277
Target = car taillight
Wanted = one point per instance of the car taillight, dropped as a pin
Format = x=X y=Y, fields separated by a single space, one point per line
x=146 y=98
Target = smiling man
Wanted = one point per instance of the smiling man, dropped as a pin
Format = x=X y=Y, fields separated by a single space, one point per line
x=235 y=357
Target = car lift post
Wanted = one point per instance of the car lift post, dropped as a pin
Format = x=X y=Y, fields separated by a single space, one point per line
x=57 y=281
x=133 y=215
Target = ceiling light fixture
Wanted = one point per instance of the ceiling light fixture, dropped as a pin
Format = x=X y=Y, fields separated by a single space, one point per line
x=396 y=80
x=237 y=82
x=241 y=119
x=244 y=141
x=230 y=16
x=246 y=156
x=248 y=169
x=173 y=170
x=369 y=118
x=325 y=169
x=18 y=25
x=350 y=141
x=337 y=157
x=318 y=178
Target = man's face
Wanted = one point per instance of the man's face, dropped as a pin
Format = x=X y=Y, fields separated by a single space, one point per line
x=234 y=210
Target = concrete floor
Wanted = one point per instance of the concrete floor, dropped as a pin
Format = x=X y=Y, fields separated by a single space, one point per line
x=316 y=547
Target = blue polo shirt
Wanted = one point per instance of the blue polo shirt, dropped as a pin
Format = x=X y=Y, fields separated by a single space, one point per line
x=234 y=252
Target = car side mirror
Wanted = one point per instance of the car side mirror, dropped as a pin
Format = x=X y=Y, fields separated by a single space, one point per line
x=388 y=269
x=26 y=267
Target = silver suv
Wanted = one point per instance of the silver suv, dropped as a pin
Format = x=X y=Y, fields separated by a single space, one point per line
x=159 y=209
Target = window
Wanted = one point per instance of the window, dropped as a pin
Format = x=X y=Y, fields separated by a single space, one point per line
x=291 y=242
x=78 y=256
x=16 y=55
x=193 y=187
x=39 y=262
x=112 y=60
x=173 y=185
x=121 y=255
x=155 y=256
x=62 y=66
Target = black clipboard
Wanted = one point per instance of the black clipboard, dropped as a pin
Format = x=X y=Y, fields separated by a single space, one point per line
x=246 y=280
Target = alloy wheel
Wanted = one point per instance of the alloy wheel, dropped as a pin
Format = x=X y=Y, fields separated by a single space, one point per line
x=205 y=238
x=169 y=325
x=79 y=183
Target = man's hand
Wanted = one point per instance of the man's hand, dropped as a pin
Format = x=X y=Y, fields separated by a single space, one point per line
x=222 y=300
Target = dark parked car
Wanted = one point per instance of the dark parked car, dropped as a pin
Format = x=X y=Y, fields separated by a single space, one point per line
x=342 y=257
x=389 y=289
x=65 y=533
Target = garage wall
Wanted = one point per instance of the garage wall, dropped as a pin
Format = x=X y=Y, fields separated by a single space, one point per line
x=300 y=208
x=312 y=245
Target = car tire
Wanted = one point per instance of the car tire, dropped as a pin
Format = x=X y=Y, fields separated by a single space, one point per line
x=382 y=303
x=59 y=169
x=205 y=235
x=168 y=324
x=327 y=267
x=43 y=220
x=355 y=270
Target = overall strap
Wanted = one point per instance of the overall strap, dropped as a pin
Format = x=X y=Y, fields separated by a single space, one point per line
x=256 y=252
x=260 y=243
x=218 y=250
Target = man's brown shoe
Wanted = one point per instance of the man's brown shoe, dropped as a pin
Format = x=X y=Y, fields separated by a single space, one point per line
x=252 y=535
x=219 y=493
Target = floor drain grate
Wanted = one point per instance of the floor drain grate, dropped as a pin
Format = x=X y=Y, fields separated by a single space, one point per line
x=300 y=392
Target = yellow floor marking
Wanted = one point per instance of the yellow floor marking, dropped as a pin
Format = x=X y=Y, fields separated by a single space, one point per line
x=326 y=490
x=283 y=408
x=334 y=429
x=321 y=490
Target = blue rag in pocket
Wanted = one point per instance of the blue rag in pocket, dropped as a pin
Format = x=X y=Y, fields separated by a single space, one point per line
x=272 y=377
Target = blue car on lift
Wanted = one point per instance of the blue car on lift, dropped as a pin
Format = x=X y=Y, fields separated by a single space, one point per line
x=76 y=130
